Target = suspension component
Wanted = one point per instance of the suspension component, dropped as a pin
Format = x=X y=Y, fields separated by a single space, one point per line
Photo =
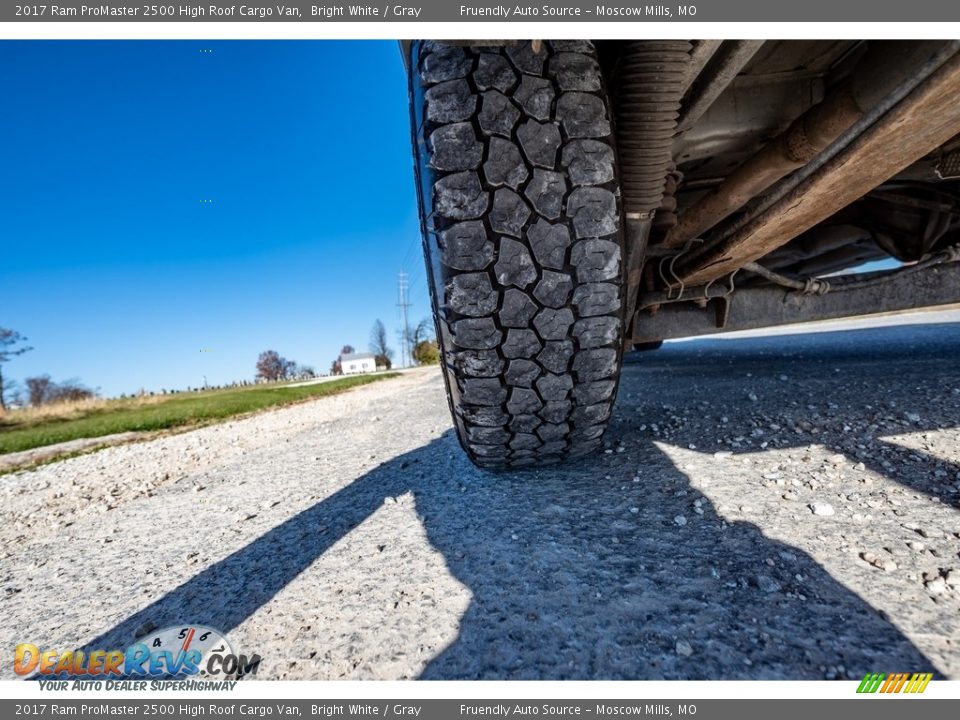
x=652 y=77
x=882 y=69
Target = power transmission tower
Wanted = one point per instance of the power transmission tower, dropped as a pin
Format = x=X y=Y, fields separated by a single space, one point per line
x=403 y=305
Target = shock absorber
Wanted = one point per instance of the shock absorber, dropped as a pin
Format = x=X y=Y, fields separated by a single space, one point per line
x=650 y=86
x=650 y=82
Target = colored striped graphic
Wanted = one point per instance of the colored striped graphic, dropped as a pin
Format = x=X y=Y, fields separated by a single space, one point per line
x=894 y=682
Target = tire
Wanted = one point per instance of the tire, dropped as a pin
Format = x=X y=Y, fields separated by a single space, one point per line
x=520 y=212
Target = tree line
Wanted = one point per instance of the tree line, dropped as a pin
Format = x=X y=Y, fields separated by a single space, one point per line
x=38 y=390
x=270 y=365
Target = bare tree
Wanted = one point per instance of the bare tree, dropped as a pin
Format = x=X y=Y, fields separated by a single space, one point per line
x=69 y=391
x=379 y=347
x=13 y=393
x=307 y=371
x=41 y=390
x=271 y=366
x=347 y=350
x=12 y=344
x=38 y=389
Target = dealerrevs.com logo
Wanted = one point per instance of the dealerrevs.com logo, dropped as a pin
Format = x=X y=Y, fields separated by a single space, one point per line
x=184 y=651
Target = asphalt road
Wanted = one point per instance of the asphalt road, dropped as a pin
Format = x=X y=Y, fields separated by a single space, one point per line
x=766 y=507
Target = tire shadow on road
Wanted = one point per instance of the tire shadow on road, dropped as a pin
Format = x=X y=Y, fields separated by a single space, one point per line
x=567 y=582
x=577 y=572
x=601 y=585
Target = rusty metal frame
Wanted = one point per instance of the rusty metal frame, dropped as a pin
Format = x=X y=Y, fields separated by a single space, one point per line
x=881 y=73
x=752 y=308
x=922 y=122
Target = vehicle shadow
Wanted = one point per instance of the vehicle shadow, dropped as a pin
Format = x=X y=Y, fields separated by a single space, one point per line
x=607 y=575
x=851 y=390
x=577 y=571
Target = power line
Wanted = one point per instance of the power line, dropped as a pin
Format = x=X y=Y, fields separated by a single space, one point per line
x=410 y=246
x=413 y=283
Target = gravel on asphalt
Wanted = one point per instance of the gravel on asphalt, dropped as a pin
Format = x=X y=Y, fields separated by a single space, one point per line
x=769 y=507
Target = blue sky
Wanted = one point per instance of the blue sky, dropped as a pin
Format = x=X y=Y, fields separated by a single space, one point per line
x=116 y=267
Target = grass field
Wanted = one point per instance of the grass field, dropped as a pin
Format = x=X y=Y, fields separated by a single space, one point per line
x=29 y=428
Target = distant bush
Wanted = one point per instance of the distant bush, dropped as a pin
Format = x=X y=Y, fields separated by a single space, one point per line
x=41 y=390
x=426 y=352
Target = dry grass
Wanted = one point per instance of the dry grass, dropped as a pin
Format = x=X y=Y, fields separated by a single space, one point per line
x=38 y=427
x=72 y=409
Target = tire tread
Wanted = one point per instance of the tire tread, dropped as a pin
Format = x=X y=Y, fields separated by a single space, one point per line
x=521 y=218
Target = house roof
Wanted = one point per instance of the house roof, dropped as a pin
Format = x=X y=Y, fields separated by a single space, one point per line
x=357 y=356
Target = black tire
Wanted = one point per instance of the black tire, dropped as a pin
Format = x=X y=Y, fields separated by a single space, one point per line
x=520 y=211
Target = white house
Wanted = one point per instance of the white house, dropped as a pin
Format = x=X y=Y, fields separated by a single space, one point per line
x=354 y=363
